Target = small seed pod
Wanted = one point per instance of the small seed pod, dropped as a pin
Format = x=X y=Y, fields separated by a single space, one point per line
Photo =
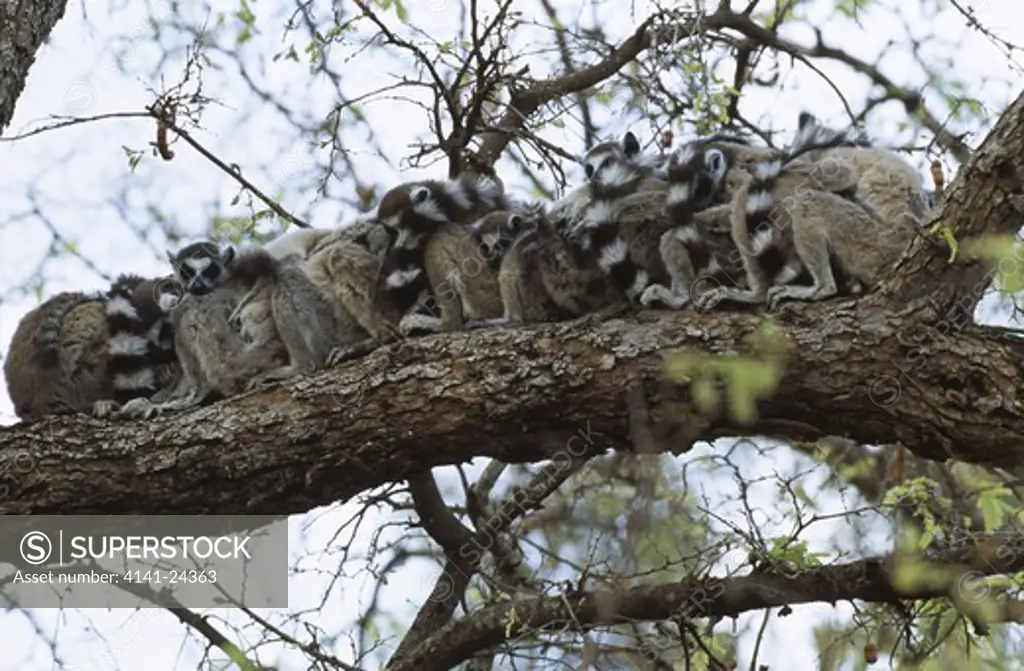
x=166 y=153
x=938 y=178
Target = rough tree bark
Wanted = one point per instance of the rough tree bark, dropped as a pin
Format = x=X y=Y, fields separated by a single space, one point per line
x=24 y=26
x=519 y=396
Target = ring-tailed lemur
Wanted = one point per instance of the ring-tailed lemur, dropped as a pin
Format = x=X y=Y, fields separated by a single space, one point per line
x=611 y=168
x=833 y=217
x=434 y=251
x=90 y=353
x=141 y=358
x=696 y=251
x=627 y=242
x=216 y=360
x=538 y=277
x=300 y=315
x=345 y=264
x=350 y=270
x=615 y=172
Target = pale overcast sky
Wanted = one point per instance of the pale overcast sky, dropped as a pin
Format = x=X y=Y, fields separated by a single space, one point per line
x=77 y=174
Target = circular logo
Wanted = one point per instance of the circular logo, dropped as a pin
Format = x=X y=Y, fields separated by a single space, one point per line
x=79 y=97
x=291 y=168
x=884 y=390
x=36 y=547
x=706 y=293
x=443 y=587
x=168 y=292
x=974 y=587
x=437 y=7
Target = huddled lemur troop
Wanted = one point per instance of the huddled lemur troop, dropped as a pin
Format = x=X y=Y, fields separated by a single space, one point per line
x=715 y=221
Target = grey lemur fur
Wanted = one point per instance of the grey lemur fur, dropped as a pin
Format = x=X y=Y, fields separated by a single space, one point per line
x=89 y=353
x=216 y=361
x=434 y=252
x=349 y=268
x=57 y=360
x=301 y=315
x=521 y=246
x=833 y=217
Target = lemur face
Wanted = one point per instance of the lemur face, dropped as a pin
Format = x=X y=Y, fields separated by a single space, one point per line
x=415 y=208
x=711 y=177
x=697 y=172
x=199 y=267
x=612 y=163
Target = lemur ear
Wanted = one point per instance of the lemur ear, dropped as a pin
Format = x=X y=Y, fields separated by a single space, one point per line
x=806 y=119
x=420 y=194
x=630 y=145
x=170 y=257
x=228 y=255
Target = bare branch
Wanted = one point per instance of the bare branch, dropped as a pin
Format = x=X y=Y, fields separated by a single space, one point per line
x=867 y=580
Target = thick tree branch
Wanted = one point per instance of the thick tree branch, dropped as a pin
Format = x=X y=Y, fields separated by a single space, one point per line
x=442 y=525
x=437 y=520
x=24 y=26
x=519 y=395
x=867 y=580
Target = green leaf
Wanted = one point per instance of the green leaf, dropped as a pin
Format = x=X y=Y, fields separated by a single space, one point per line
x=238 y=657
x=400 y=11
x=850 y=8
x=747 y=379
x=1004 y=253
x=996 y=507
x=743 y=404
x=705 y=395
x=946 y=233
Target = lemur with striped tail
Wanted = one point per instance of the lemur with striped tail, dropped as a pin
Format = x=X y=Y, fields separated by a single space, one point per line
x=90 y=353
x=434 y=256
x=627 y=243
x=541 y=278
x=831 y=217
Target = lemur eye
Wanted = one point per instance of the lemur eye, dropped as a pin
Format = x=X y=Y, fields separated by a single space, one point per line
x=589 y=170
